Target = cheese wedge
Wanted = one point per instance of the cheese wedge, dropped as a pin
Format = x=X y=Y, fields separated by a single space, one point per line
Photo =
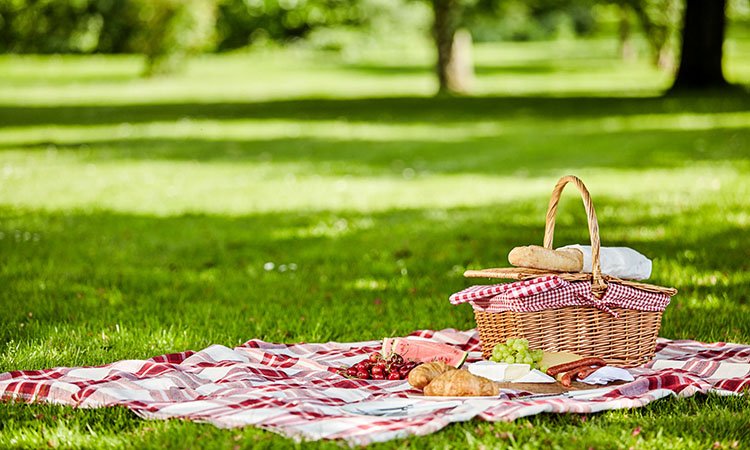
x=550 y=359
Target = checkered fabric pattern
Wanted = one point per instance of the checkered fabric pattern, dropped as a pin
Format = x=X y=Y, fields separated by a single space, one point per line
x=551 y=292
x=294 y=390
x=518 y=289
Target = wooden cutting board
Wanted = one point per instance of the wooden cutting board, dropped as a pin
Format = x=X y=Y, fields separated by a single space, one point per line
x=550 y=388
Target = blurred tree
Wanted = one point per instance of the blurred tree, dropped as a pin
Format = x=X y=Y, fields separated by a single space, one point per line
x=165 y=31
x=328 y=22
x=702 y=46
x=625 y=32
x=171 y=30
x=455 y=21
x=659 y=20
x=50 y=26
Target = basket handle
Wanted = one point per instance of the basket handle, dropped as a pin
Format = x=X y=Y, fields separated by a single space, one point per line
x=598 y=286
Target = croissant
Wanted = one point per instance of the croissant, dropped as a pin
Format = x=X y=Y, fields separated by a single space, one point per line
x=423 y=374
x=461 y=383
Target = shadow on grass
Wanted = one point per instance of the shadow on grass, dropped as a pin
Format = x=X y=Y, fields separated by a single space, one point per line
x=393 y=109
x=73 y=79
x=528 y=68
x=481 y=69
x=506 y=153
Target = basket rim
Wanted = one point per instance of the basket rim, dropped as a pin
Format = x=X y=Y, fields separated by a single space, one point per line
x=526 y=273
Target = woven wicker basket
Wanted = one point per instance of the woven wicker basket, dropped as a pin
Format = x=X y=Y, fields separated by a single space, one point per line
x=627 y=341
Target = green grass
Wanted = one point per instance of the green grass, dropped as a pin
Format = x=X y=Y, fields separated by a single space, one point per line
x=136 y=216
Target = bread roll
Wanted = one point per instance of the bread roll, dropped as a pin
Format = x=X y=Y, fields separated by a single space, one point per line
x=536 y=257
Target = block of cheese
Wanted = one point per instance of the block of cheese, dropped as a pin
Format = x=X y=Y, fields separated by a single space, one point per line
x=550 y=359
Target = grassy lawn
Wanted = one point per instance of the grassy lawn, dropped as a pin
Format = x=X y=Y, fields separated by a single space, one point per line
x=139 y=217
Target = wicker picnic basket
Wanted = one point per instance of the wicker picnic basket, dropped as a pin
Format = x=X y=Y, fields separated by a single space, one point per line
x=628 y=340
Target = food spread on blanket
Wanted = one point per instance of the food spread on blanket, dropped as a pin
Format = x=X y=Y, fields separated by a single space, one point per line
x=437 y=378
x=399 y=356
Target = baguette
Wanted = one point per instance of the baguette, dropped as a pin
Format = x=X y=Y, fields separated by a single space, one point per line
x=536 y=257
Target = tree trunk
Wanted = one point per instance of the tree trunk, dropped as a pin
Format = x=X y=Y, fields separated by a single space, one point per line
x=627 y=51
x=702 y=42
x=657 y=36
x=665 y=59
x=453 y=66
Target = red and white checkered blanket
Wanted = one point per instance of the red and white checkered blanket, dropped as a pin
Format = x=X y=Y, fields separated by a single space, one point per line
x=293 y=389
x=551 y=292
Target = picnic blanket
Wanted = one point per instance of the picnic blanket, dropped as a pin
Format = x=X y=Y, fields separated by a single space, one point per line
x=294 y=390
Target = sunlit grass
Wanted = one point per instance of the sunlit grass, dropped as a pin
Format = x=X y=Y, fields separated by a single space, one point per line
x=293 y=196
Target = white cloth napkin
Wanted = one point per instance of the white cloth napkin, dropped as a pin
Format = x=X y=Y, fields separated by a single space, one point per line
x=620 y=262
x=608 y=374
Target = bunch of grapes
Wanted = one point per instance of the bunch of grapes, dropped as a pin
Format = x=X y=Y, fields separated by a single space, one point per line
x=377 y=368
x=516 y=351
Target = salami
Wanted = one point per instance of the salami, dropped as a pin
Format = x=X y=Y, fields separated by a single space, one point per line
x=567 y=378
x=571 y=366
x=586 y=371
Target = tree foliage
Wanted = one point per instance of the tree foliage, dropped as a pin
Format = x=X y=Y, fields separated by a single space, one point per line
x=165 y=31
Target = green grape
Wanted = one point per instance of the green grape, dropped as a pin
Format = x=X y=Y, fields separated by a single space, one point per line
x=515 y=351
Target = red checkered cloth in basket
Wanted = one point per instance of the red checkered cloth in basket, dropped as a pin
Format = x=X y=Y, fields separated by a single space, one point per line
x=551 y=292
x=294 y=390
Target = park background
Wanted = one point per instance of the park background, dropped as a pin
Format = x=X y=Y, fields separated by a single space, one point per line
x=175 y=174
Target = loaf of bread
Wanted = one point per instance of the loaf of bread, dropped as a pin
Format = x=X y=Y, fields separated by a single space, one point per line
x=536 y=257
